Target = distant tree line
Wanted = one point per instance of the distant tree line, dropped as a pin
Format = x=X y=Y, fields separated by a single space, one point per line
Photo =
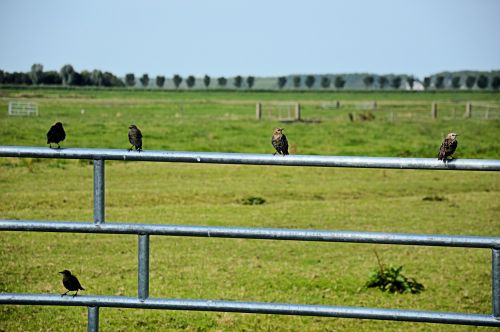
x=458 y=82
x=325 y=81
x=394 y=82
x=221 y=82
x=68 y=76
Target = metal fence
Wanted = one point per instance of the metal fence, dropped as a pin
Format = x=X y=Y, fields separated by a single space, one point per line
x=144 y=231
x=22 y=108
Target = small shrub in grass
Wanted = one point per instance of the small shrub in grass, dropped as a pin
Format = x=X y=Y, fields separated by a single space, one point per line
x=434 y=198
x=252 y=200
x=392 y=280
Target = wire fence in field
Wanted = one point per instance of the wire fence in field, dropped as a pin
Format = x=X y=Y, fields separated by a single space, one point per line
x=486 y=111
x=402 y=111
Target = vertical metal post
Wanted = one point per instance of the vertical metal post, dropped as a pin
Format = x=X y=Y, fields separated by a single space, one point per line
x=143 y=270
x=98 y=191
x=93 y=319
x=495 y=276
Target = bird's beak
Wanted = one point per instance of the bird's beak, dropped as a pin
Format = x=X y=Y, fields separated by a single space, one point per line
x=60 y=272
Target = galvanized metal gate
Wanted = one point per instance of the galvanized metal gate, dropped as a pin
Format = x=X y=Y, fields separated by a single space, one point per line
x=144 y=231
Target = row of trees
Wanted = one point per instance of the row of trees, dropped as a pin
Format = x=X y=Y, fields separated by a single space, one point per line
x=68 y=76
x=456 y=82
x=310 y=80
x=190 y=81
x=395 y=82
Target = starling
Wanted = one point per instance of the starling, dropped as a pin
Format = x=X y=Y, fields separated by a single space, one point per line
x=135 y=138
x=279 y=142
x=56 y=134
x=70 y=282
x=448 y=147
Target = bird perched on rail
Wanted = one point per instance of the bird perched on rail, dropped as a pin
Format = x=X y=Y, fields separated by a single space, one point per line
x=71 y=283
x=56 y=134
x=448 y=147
x=135 y=138
x=279 y=141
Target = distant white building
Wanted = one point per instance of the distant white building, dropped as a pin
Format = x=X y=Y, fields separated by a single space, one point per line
x=417 y=86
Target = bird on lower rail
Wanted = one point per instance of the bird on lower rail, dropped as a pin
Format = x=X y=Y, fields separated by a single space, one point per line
x=71 y=283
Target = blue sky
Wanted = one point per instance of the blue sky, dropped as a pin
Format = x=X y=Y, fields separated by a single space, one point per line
x=257 y=37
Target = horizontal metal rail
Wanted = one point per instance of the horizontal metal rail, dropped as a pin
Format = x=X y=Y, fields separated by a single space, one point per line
x=252 y=307
x=145 y=230
x=253 y=233
x=251 y=159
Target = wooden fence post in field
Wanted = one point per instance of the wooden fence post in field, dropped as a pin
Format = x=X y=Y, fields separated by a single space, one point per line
x=374 y=105
x=434 y=110
x=468 y=110
x=297 y=112
x=258 y=111
x=338 y=104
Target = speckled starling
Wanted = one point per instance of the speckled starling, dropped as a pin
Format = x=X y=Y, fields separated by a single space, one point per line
x=448 y=147
x=56 y=134
x=71 y=283
x=279 y=141
x=135 y=138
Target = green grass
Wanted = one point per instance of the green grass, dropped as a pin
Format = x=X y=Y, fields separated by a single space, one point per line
x=455 y=279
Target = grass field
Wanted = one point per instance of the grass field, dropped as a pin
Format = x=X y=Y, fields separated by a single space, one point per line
x=456 y=279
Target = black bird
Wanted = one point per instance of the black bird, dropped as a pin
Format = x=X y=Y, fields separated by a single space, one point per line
x=135 y=138
x=70 y=282
x=279 y=142
x=448 y=147
x=56 y=134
